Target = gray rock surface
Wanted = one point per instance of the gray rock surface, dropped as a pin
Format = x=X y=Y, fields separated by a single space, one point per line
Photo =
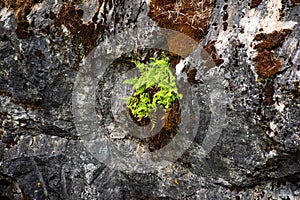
x=42 y=156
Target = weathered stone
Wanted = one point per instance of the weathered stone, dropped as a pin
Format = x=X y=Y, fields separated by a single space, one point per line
x=256 y=45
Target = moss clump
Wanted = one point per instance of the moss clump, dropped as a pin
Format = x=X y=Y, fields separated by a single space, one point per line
x=155 y=85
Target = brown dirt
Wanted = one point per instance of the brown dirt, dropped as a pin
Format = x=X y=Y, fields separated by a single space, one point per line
x=71 y=18
x=267 y=65
x=268 y=93
x=21 y=9
x=211 y=49
x=255 y=3
x=167 y=133
x=173 y=118
x=30 y=104
x=23 y=30
x=192 y=75
x=272 y=40
x=169 y=129
x=185 y=16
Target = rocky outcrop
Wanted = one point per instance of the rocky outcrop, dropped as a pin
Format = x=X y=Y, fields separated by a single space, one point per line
x=255 y=45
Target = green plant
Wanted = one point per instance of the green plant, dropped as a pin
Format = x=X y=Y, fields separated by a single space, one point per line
x=155 y=85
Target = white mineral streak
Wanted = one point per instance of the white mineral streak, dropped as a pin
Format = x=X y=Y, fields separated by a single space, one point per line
x=251 y=23
x=148 y=1
x=289 y=48
x=65 y=29
x=4 y=14
x=273 y=126
x=89 y=169
x=280 y=107
x=271 y=154
x=296 y=60
x=179 y=67
x=90 y=9
x=39 y=6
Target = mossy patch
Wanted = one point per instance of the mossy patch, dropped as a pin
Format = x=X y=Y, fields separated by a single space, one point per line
x=156 y=85
x=166 y=118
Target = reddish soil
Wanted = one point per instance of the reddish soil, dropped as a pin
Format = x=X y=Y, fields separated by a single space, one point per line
x=185 y=16
x=169 y=129
x=267 y=65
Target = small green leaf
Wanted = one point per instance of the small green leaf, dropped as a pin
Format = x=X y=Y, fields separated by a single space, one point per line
x=156 y=74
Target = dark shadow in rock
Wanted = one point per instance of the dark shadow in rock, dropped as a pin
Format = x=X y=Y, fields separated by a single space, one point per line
x=10 y=190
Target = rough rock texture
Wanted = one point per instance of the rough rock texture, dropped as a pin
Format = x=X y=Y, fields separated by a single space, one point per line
x=256 y=44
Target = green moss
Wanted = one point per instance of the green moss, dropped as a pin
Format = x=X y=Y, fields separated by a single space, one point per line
x=155 y=85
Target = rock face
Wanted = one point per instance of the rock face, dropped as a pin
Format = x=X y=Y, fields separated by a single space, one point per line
x=255 y=44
